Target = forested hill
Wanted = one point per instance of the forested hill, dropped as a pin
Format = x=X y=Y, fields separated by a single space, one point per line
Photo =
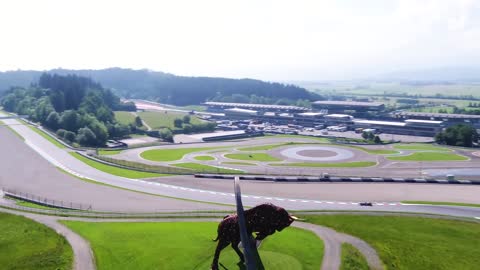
x=173 y=89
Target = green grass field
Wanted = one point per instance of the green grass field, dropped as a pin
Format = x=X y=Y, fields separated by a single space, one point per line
x=25 y=244
x=157 y=120
x=32 y=205
x=420 y=147
x=125 y=118
x=413 y=242
x=443 y=203
x=429 y=156
x=204 y=158
x=355 y=164
x=115 y=170
x=205 y=168
x=352 y=259
x=252 y=156
x=239 y=163
x=47 y=137
x=375 y=151
x=171 y=154
x=189 y=245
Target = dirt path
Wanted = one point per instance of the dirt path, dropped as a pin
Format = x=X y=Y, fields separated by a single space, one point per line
x=143 y=122
x=332 y=246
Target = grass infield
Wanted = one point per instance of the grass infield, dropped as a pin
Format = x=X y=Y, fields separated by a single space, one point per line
x=430 y=156
x=171 y=154
x=419 y=146
x=205 y=168
x=352 y=259
x=115 y=170
x=355 y=164
x=204 y=158
x=442 y=203
x=413 y=242
x=109 y=152
x=189 y=245
x=25 y=244
x=252 y=156
x=239 y=163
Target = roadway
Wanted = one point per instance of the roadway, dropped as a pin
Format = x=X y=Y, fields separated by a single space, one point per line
x=30 y=167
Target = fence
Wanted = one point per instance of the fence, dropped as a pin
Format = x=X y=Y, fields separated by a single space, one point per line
x=45 y=201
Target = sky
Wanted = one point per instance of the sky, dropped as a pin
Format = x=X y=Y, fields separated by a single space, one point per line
x=271 y=40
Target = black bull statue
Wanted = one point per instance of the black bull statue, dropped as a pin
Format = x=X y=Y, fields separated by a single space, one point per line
x=263 y=220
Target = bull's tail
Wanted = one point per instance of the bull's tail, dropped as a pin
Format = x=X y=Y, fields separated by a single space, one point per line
x=216 y=239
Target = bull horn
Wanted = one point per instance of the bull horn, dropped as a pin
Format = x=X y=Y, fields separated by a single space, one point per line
x=294 y=217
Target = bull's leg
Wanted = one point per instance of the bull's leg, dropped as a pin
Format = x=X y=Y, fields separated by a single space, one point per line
x=237 y=250
x=221 y=245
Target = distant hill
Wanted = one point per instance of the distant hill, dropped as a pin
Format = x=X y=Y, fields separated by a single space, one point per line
x=169 y=88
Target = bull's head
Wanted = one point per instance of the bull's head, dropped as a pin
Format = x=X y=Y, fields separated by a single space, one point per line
x=287 y=223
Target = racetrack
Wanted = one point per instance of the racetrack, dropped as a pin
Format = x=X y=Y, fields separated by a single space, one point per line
x=299 y=152
x=323 y=196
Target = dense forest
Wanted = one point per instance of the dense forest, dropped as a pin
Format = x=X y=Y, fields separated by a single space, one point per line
x=78 y=109
x=177 y=90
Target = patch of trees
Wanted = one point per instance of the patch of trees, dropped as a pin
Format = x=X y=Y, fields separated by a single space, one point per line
x=458 y=135
x=370 y=137
x=187 y=127
x=78 y=109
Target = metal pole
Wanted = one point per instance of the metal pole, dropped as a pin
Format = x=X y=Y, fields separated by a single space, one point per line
x=249 y=248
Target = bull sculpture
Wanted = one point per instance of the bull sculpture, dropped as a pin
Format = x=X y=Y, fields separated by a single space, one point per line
x=263 y=220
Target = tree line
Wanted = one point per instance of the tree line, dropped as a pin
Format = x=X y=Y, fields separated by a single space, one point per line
x=458 y=135
x=177 y=90
x=78 y=109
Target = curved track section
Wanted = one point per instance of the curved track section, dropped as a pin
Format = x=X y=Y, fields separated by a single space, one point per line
x=42 y=183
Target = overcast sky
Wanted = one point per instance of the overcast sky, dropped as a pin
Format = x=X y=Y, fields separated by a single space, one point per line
x=271 y=40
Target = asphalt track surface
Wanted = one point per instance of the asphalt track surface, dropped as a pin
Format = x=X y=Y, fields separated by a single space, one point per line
x=34 y=172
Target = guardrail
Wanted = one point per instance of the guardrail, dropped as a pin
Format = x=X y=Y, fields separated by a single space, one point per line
x=340 y=179
x=45 y=201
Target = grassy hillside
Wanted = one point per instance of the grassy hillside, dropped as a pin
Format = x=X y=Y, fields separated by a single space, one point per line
x=413 y=242
x=189 y=245
x=25 y=244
